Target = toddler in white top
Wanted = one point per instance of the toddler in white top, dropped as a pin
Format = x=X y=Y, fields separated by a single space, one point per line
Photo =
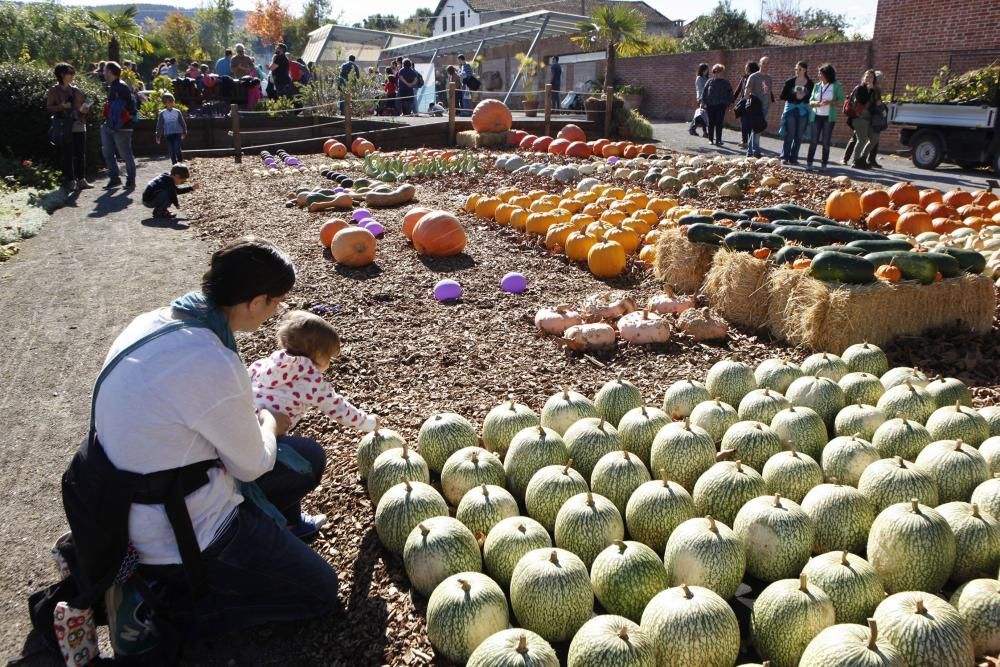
x=291 y=380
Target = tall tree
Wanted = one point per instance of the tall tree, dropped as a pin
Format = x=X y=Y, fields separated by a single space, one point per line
x=179 y=34
x=267 y=21
x=118 y=30
x=782 y=17
x=419 y=23
x=381 y=22
x=724 y=28
x=620 y=30
x=215 y=22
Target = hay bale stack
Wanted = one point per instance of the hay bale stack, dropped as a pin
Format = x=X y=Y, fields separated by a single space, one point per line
x=474 y=139
x=680 y=264
x=830 y=317
x=737 y=286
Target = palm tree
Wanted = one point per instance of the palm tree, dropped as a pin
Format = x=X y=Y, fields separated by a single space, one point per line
x=117 y=30
x=619 y=29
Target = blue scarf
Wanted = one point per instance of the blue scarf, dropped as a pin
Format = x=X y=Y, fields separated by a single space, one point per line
x=207 y=314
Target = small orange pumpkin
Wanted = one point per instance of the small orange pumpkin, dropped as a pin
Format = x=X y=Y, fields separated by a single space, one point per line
x=889 y=273
x=843 y=205
x=945 y=225
x=957 y=197
x=802 y=263
x=970 y=210
x=647 y=149
x=541 y=144
x=606 y=259
x=526 y=141
x=328 y=143
x=881 y=218
x=914 y=223
x=911 y=208
x=904 y=193
x=631 y=152
x=578 y=149
x=514 y=137
x=976 y=222
x=597 y=146
x=571 y=133
x=610 y=150
x=439 y=234
x=558 y=146
x=491 y=116
x=941 y=210
x=873 y=199
x=762 y=253
x=930 y=196
x=353 y=246
x=329 y=230
x=984 y=198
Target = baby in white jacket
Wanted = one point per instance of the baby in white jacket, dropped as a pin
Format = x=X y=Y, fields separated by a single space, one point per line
x=291 y=379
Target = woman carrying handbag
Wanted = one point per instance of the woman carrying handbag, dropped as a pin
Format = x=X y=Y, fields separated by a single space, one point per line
x=68 y=129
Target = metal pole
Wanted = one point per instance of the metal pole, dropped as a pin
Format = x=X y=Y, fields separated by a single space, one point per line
x=548 y=109
x=347 y=120
x=234 y=115
x=531 y=50
x=609 y=97
x=434 y=56
x=451 y=113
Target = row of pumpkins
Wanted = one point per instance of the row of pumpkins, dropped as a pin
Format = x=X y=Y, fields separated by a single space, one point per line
x=360 y=147
x=581 y=473
x=907 y=209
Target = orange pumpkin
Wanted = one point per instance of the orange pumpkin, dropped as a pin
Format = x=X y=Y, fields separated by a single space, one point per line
x=606 y=259
x=578 y=245
x=972 y=209
x=945 y=225
x=994 y=207
x=930 y=196
x=610 y=150
x=491 y=116
x=802 y=263
x=914 y=223
x=541 y=144
x=514 y=137
x=647 y=149
x=881 y=218
x=411 y=218
x=329 y=230
x=526 y=141
x=888 y=273
x=911 y=208
x=941 y=210
x=328 y=143
x=353 y=246
x=470 y=202
x=904 y=193
x=558 y=146
x=843 y=205
x=486 y=207
x=597 y=146
x=571 y=133
x=762 y=253
x=957 y=197
x=362 y=148
x=976 y=222
x=503 y=212
x=439 y=234
x=984 y=198
x=631 y=152
x=873 y=199
x=628 y=239
x=578 y=149
x=337 y=151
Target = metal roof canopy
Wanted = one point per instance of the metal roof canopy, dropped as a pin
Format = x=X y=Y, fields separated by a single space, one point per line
x=347 y=36
x=495 y=33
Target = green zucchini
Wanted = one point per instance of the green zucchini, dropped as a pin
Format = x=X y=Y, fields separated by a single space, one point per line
x=750 y=241
x=769 y=213
x=846 y=249
x=947 y=265
x=790 y=223
x=790 y=253
x=751 y=226
x=823 y=220
x=796 y=211
x=970 y=260
x=912 y=265
x=841 y=267
x=700 y=232
x=838 y=234
x=878 y=245
x=806 y=236
x=729 y=215
x=693 y=218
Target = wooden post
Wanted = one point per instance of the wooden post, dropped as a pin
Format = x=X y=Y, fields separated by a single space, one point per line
x=451 y=113
x=609 y=97
x=347 y=120
x=234 y=115
x=548 y=109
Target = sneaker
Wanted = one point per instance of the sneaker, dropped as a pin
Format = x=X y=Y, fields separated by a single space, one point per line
x=692 y=133
x=116 y=183
x=83 y=184
x=308 y=526
x=130 y=185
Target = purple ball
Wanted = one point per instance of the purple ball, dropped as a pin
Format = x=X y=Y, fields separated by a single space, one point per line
x=613 y=159
x=361 y=214
x=515 y=283
x=447 y=290
x=363 y=221
x=375 y=228
x=338 y=190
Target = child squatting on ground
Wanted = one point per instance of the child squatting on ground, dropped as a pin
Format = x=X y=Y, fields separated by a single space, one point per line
x=170 y=125
x=162 y=191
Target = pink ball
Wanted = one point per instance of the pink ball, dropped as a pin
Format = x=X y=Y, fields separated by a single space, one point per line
x=447 y=290
x=515 y=283
x=361 y=214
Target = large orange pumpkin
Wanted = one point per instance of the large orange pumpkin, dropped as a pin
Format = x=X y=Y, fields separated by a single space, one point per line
x=647 y=149
x=328 y=143
x=439 y=234
x=911 y=208
x=941 y=210
x=881 y=217
x=337 y=151
x=514 y=137
x=984 y=198
x=873 y=199
x=411 y=218
x=914 y=223
x=578 y=149
x=631 y=152
x=541 y=144
x=843 y=205
x=973 y=209
x=904 y=193
x=945 y=225
x=526 y=141
x=329 y=230
x=957 y=197
x=571 y=133
x=558 y=146
x=354 y=246
x=491 y=116
x=610 y=150
x=930 y=196
x=362 y=147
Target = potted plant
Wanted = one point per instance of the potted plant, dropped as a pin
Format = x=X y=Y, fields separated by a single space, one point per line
x=632 y=95
x=529 y=79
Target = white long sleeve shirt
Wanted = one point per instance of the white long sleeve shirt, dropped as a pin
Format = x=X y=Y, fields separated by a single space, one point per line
x=180 y=399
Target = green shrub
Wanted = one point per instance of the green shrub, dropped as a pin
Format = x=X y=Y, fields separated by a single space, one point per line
x=154 y=101
x=636 y=126
x=274 y=105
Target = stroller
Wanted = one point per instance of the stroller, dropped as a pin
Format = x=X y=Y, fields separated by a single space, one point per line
x=699 y=119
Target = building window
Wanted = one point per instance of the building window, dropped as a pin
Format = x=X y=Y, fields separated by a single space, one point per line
x=444 y=23
x=461 y=19
x=453 y=23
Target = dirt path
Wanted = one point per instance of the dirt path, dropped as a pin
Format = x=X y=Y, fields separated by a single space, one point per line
x=63 y=300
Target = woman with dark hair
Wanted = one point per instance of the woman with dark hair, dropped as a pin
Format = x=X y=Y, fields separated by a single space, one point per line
x=184 y=399
x=700 y=80
x=748 y=69
x=406 y=87
x=827 y=96
x=69 y=108
x=716 y=97
x=796 y=93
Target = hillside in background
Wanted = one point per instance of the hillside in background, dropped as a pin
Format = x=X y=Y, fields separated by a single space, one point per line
x=159 y=12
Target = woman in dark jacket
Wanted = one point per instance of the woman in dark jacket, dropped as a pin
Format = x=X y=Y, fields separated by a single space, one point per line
x=749 y=69
x=716 y=98
x=796 y=93
x=864 y=96
x=69 y=108
x=406 y=86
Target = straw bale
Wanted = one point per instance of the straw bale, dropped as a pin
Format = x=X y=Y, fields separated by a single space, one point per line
x=680 y=264
x=737 y=287
x=830 y=317
x=474 y=139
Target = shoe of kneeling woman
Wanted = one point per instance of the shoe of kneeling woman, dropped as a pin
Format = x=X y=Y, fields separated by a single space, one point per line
x=308 y=526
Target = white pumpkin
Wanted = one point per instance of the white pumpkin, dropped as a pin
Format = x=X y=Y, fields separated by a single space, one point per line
x=644 y=328
x=607 y=306
x=670 y=304
x=587 y=337
x=555 y=321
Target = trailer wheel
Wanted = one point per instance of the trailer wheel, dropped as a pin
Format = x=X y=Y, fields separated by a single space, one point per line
x=927 y=149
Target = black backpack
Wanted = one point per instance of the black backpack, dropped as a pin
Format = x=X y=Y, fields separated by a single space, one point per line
x=420 y=81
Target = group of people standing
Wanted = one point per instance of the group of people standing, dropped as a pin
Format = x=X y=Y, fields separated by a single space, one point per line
x=810 y=111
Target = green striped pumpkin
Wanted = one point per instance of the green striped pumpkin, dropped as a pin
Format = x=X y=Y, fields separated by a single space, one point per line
x=503 y=422
x=531 y=450
x=616 y=398
x=761 y=405
x=978 y=602
x=858 y=419
x=792 y=474
x=957 y=468
x=374 y=443
x=507 y=542
x=715 y=416
x=681 y=397
x=392 y=465
x=907 y=400
x=948 y=391
x=825 y=365
x=468 y=468
x=861 y=388
x=776 y=374
x=610 y=641
x=778 y=536
x=786 y=616
x=485 y=506
x=987 y=496
x=692 y=626
x=724 y=488
x=563 y=409
x=912 y=548
x=925 y=630
x=801 y=428
x=901 y=437
x=684 y=451
x=403 y=507
x=706 y=553
x=587 y=440
x=616 y=477
x=866 y=358
x=895 y=377
x=436 y=549
x=819 y=393
x=842 y=515
x=889 y=481
x=752 y=442
x=977 y=541
x=851 y=645
x=990 y=451
x=586 y=524
x=958 y=422
x=730 y=381
x=548 y=489
x=516 y=647
x=637 y=429
x=845 y=458
x=463 y=612
x=551 y=594
x=442 y=435
x=655 y=509
x=626 y=576
x=991 y=413
x=851 y=582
